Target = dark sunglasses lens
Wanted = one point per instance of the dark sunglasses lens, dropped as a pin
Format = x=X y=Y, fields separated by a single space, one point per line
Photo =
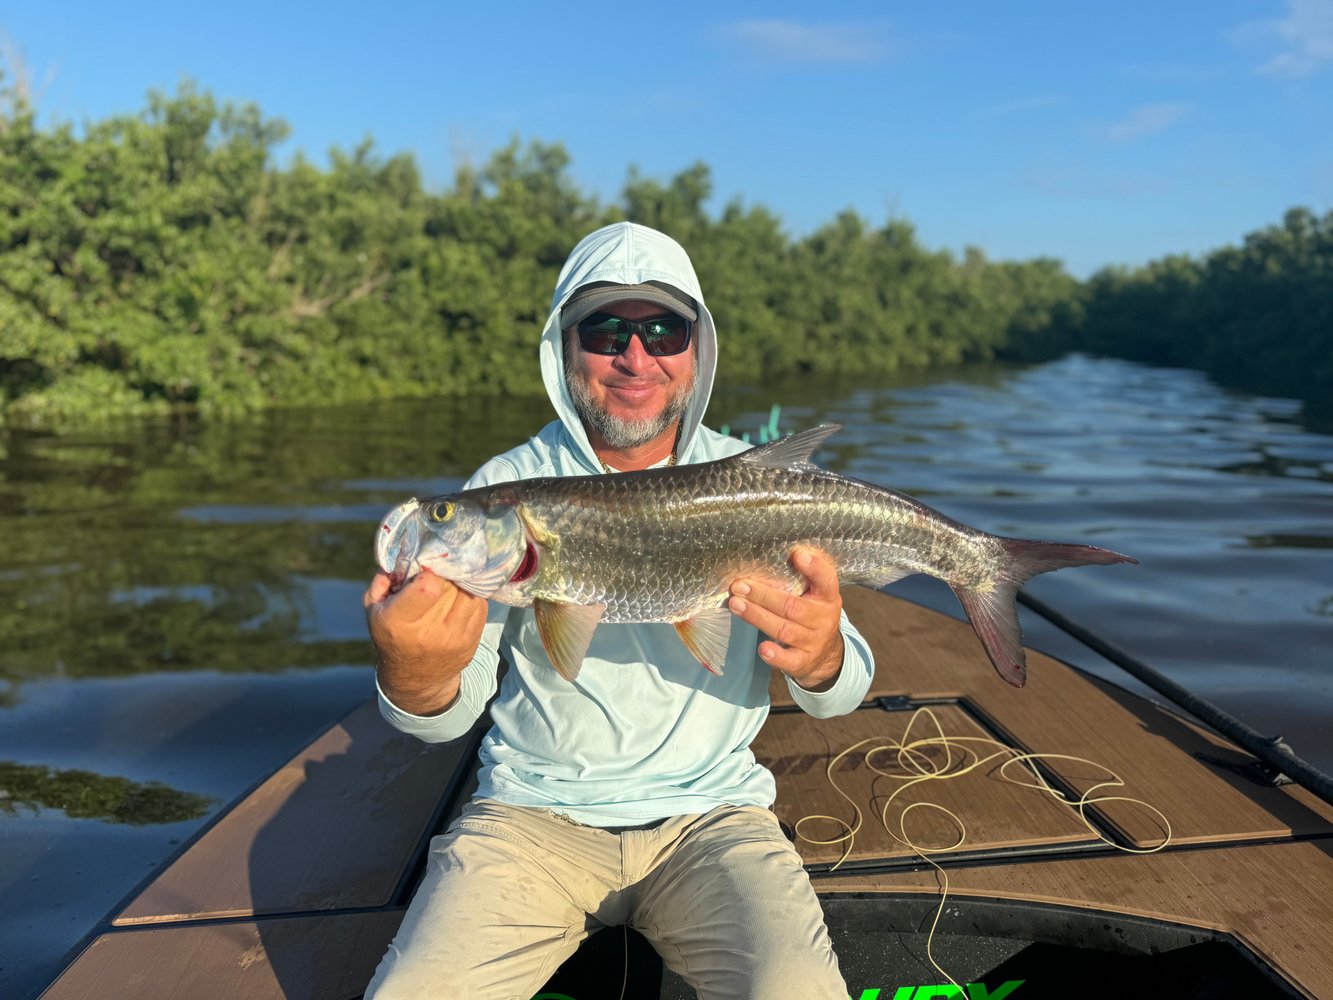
x=604 y=335
x=666 y=336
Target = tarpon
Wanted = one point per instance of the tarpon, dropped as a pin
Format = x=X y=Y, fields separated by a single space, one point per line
x=665 y=545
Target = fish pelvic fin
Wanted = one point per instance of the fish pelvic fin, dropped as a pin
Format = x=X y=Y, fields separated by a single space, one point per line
x=566 y=632
x=992 y=610
x=706 y=636
x=793 y=451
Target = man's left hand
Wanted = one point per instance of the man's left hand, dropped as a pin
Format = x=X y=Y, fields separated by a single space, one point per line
x=805 y=643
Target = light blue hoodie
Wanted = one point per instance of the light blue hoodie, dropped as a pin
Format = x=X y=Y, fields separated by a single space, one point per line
x=645 y=732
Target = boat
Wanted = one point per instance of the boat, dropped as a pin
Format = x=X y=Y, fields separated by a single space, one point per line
x=296 y=889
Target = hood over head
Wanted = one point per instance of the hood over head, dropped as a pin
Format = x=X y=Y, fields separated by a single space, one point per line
x=626 y=253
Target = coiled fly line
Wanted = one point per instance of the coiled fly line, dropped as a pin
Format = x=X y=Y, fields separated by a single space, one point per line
x=915 y=765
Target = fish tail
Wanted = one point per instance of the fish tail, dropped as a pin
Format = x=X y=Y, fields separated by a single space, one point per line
x=993 y=611
x=994 y=617
x=1028 y=558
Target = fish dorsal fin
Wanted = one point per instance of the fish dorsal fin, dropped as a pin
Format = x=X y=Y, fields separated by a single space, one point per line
x=792 y=452
x=706 y=636
x=566 y=631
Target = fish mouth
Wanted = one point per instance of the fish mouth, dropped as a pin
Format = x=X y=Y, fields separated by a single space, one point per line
x=397 y=541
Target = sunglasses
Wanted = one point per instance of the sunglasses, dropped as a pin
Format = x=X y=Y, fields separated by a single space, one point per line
x=602 y=333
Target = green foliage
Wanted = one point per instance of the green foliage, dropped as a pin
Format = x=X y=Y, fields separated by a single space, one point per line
x=1258 y=316
x=163 y=261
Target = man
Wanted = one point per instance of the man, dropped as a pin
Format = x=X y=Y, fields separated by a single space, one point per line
x=629 y=796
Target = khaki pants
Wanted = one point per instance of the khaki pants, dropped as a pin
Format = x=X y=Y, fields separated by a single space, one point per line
x=510 y=892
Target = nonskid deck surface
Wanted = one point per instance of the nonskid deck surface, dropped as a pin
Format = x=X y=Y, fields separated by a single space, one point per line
x=297 y=890
x=1250 y=862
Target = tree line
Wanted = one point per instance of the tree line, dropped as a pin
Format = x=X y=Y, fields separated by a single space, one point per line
x=1258 y=316
x=164 y=259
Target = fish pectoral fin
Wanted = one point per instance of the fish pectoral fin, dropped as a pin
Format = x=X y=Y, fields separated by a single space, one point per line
x=566 y=631
x=706 y=636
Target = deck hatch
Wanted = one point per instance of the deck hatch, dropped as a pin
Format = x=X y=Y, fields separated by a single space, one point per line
x=1000 y=816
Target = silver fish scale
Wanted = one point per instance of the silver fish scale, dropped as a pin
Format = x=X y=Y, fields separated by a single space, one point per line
x=665 y=544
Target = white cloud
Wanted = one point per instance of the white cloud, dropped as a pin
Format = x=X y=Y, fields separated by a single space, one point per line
x=1146 y=120
x=795 y=42
x=1305 y=35
x=1022 y=105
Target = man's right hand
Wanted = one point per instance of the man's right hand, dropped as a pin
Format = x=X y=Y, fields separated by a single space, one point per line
x=425 y=634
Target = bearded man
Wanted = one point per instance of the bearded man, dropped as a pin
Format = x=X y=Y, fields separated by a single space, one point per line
x=629 y=796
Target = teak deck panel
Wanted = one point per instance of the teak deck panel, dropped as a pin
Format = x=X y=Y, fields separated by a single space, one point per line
x=337 y=828
x=334 y=828
x=923 y=654
x=798 y=749
x=1275 y=898
x=321 y=957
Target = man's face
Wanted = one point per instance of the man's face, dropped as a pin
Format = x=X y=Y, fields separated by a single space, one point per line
x=632 y=398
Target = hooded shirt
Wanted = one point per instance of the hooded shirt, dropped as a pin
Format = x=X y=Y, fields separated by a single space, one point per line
x=645 y=732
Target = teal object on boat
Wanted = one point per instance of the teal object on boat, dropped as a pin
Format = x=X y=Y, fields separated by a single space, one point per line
x=767 y=432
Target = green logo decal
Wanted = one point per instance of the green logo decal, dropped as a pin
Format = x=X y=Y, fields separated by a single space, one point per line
x=947 y=991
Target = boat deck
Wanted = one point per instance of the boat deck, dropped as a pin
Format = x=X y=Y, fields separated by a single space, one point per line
x=1251 y=861
x=297 y=890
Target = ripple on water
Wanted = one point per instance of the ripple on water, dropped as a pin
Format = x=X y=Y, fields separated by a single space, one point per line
x=242 y=550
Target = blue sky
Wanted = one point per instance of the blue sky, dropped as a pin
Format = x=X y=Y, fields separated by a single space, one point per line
x=1098 y=134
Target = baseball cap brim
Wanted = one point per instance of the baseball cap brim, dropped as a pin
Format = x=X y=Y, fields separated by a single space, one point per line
x=594 y=298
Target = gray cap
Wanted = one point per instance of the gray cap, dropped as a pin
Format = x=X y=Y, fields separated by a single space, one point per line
x=597 y=296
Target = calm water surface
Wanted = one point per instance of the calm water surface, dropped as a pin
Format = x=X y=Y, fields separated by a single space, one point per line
x=180 y=603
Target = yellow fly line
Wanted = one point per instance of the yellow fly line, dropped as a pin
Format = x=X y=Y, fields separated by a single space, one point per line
x=962 y=755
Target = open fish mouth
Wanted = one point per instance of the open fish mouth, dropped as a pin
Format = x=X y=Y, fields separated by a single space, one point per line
x=397 y=542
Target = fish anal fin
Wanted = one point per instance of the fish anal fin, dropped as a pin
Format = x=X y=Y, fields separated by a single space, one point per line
x=791 y=452
x=566 y=632
x=883 y=577
x=706 y=636
x=994 y=617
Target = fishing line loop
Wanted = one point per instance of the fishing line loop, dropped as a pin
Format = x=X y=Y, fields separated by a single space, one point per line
x=913 y=763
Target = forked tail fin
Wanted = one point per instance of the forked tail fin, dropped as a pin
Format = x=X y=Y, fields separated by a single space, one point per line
x=992 y=609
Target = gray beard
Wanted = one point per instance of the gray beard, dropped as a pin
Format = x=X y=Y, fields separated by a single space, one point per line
x=622 y=432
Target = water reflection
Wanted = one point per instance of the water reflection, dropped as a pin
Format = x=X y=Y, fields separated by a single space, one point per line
x=86 y=795
x=182 y=545
x=180 y=601
x=1290 y=541
x=185 y=546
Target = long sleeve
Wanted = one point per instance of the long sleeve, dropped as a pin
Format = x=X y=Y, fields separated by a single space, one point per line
x=476 y=685
x=849 y=690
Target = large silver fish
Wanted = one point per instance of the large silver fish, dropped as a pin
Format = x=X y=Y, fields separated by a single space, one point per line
x=664 y=545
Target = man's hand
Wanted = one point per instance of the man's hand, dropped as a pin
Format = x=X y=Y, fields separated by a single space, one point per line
x=425 y=635
x=807 y=644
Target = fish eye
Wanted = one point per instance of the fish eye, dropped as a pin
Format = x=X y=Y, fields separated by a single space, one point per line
x=442 y=511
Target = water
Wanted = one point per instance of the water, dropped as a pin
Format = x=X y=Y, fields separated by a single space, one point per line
x=180 y=603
